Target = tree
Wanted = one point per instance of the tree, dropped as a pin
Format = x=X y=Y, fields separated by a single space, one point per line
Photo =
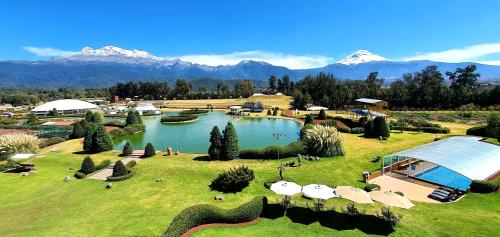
x=244 y=88
x=32 y=118
x=149 y=150
x=78 y=131
x=309 y=119
x=88 y=141
x=96 y=118
x=275 y=111
x=119 y=169
x=286 y=84
x=88 y=116
x=322 y=114
x=463 y=83
x=272 y=83
x=53 y=112
x=88 y=165
x=127 y=149
x=230 y=144
x=139 y=117
x=380 y=128
x=369 y=128
x=269 y=113
x=373 y=85
x=182 y=88
x=215 y=149
x=101 y=140
x=131 y=119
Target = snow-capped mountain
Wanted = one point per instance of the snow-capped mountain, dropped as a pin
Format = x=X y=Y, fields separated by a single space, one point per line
x=361 y=56
x=115 y=51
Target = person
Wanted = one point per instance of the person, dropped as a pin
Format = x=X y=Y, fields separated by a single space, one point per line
x=281 y=169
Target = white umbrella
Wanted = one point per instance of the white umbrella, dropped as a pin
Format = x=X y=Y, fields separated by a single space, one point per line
x=319 y=191
x=354 y=194
x=391 y=199
x=286 y=188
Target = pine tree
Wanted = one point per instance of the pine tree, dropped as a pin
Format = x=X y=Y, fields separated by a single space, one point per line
x=77 y=131
x=96 y=118
x=380 y=127
x=88 y=141
x=139 y=117
x=269 y=113
x=131 y=118
x=32 y=119
x=308 y=119
x=101 y=140
x=275 y=112
x=322 y=114
x=231 y=147
x=119 y=169
x=88 y=165
x=214 y=151
x=369 y=128
x=127 y=149
x=88 y=116
x=149 y=150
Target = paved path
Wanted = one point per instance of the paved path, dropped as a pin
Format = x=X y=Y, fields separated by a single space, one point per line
x=103 y=174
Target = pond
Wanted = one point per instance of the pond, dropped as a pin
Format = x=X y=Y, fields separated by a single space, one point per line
x=193 y=137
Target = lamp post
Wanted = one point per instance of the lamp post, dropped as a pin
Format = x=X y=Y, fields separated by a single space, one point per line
x=278 y=136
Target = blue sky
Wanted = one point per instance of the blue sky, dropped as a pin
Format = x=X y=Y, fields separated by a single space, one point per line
x=308 y=32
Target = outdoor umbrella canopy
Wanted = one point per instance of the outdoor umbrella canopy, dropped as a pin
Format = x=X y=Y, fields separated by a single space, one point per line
x=286 y=188
x=391 y=199
x=319 y=191
x=354 y=194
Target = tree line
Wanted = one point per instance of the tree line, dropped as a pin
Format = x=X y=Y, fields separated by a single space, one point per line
x=425 y=89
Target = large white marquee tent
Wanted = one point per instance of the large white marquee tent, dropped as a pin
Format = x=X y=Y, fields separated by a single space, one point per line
x=66 y=106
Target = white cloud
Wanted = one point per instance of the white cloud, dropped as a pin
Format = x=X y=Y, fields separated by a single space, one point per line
x=49 y=52
x=492 y=62
x=472 y=53
x=274 y=58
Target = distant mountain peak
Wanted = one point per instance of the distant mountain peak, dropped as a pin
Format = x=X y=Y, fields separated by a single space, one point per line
x=116 y=51
x=361 y=56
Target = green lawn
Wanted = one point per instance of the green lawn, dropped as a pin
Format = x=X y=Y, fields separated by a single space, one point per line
x=44 y=205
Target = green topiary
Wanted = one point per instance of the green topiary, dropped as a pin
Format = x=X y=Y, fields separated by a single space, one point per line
x=119 y=169
x=103 y=164
x=88 y=141
x=131 y=118
x=127 y=149
x=101 y=140
x=138 y=117
x=322 y=114
x=80 y=175
x=233 y=181
x=309 y=119
x=149 y=150
x=88 y=165
x=96 y=118
x=230 y=144
x=78 y=131
x=269 y=113
x=215 y=149
x=88 y=116
x=380 y=127
x=387 y=215
x=369 y=128
x=275 y=112
x=480 y=186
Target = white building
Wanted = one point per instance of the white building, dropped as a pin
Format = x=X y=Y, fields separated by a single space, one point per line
x=66 y=106
x=147 y=109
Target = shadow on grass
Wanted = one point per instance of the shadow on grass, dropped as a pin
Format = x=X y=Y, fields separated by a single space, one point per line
x=82 y=153
x=368 y=224
x=202 y=158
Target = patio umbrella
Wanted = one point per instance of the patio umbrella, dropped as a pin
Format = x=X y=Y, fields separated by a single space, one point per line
x=319 y=191
x=286 y=188
x=354 y=194
x=391 y=199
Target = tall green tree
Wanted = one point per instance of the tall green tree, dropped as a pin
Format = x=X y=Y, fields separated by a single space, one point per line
x=96 y=118
x=101 y=140
x=215 y=149
x=244 y=88
x=32 y=119
x=272 y=83
x=89 y=116
x=139 y=117
x=463 y=83
x=286 y=84
x=88 y=141
x=230 y=143
x=182 y=88
x=132 y=118
x=373 y=85
x=380 y=127
x=78 y=131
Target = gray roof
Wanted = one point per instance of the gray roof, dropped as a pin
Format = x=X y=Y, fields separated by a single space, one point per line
x=366 y=100
x=465 y=155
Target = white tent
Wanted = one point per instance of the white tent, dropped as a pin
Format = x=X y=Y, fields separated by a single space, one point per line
x=316 y=108
x=465 y=155
x=66 y=106
x=147 y=108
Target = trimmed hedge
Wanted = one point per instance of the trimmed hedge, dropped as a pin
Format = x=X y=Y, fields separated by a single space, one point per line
x=424 y=129
x=357 y=130
x=80 y=175
x=51 y=141
x=176 y=119
x=128 y=130
x=119 y=178
x=206 y=214
x=477 y=131
x=103 y=164
x=271 y=152
x=115 y=123
x=193 y=111
x=480 y=186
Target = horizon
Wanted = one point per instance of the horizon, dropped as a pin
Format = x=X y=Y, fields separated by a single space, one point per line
x=223 y=34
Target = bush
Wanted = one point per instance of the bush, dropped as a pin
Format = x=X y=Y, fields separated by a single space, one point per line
x=18 y=143
x=119 y=178
x=131 y=118
x=51 y=141
x=271 y=152
x=5 y=121
x=9 y=165
x=305 y=128
x=399 y=193
x=119 y=169
x=80 y=175
x=309 y=119
x=234 y=180
x=369 y=128
x=371 y=187
x=88 y=165
x=380 y=128
x=322 y=115
x=115 y=123
x=127 y=149
x=480 y=186
x=357 y=130
x=477 y=131
x=103 y=164
x=131 y=164
x=269 y=113
x=128 y=130
x=32 y=119
x=390 y=217
x=78 y=131
x=206 y=214
x=324 y=141
x=101 y=140
x=149 y=150
x=177 y=119
x=275 y=112
x=193 y=111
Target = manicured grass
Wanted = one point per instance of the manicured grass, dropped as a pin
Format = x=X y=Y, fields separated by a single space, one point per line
x=44 y=205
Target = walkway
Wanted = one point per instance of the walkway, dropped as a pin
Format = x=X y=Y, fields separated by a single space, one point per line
x=411 y=191
x=103 y=174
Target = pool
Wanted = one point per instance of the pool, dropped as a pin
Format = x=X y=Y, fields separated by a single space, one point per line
x=446 y=177
x=193 y=137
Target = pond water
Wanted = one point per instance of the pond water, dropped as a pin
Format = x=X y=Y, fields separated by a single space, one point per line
x=193 y=137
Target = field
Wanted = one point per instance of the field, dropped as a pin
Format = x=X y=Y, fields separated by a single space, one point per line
x=44 y=205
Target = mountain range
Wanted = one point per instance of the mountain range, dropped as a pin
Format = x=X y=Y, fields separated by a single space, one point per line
x=108 y=65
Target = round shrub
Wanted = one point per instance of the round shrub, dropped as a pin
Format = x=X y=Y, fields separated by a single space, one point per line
x=206 y=214
x=78 y=131
x=88 y=165
x=309 y=119
x=380 y=127
x=80 y=175
x=119 y=169
x=371 y=187
x=177 y=119
x=149 y=150
x=127 y=149
x=322 y=114
x=234 y=180
x=480 y=186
